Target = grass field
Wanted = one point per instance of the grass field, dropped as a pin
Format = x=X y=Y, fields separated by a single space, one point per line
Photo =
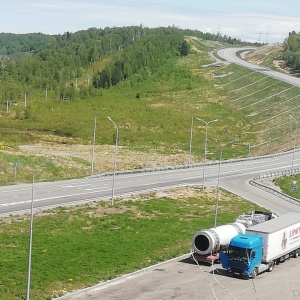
x=158 y=121
x=80 y=246
x=287 y=182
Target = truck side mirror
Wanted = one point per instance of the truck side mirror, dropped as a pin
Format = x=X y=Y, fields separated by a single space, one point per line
x=253 y=255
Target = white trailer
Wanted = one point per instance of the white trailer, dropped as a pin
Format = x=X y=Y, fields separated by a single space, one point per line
x=263 y=246
x=281 y=237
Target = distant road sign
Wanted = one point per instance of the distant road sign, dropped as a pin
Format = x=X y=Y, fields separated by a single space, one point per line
x=294 y=188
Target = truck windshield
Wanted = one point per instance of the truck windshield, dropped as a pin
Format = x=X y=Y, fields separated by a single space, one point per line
x=239 y=252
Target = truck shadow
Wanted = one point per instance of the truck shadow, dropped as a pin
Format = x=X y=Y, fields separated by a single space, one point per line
x=214 y=269
x=220 y=272
x=188 y=260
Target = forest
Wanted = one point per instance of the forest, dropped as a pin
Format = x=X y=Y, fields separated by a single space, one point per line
x=35 y=62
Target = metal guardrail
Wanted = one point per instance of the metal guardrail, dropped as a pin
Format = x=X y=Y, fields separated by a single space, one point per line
x=187 y=166
x=254 y=182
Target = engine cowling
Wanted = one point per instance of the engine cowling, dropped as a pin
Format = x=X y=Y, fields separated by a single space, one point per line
x=209 y=240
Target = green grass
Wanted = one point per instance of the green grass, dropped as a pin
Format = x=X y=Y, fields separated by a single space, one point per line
x=286 y=183
x=80 y=246
x=159 y=120
x=161 y=116
x=43 y=169
x=268 y=61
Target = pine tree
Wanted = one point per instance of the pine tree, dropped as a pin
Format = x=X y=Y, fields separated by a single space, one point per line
x=185 y=49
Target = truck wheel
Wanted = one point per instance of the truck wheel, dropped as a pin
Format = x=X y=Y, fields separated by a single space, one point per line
x=296 y=254
x=254 y=273
x=271 y=266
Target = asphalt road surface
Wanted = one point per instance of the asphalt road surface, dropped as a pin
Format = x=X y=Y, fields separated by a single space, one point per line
x=17 y=199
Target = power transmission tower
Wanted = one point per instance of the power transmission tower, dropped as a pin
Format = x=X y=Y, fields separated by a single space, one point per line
x=266 y=33
x=259 y=34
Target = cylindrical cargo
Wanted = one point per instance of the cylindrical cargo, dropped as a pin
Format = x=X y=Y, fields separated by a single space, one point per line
x=209 y=240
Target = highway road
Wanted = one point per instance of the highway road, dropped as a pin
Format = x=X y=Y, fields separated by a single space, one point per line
x=179 y=278
x=17 y=198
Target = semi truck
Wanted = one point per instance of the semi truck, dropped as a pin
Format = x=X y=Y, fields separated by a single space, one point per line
x=262 y=246
x=206 y=243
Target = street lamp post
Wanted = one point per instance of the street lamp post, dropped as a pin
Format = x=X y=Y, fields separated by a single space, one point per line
x=31 y=233
x=30 y=241
x=205 y=146
x=191 y=139
x=16 y=165
x=218 y=186
x=295 y=142
x=93 y=148
x=115 y=160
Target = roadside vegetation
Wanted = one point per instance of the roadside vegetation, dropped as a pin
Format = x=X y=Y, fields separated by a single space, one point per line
x=286 y=184
x=76 y=247
x=291 y=54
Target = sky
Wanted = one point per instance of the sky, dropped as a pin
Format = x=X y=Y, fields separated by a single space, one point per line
x=268 y=21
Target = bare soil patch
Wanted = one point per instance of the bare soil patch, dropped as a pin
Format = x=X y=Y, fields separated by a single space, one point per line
x=257 y=57
x=104 y=155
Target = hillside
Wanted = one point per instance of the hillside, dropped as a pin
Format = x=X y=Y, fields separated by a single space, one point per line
x=63 y=64
x=151 y=92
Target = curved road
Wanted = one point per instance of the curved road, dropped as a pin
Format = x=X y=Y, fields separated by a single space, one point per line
x=229 y=55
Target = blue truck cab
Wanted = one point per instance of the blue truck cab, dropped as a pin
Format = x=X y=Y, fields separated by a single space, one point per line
x=243 y=255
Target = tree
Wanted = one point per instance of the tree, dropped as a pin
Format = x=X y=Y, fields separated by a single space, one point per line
x=185 y=48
